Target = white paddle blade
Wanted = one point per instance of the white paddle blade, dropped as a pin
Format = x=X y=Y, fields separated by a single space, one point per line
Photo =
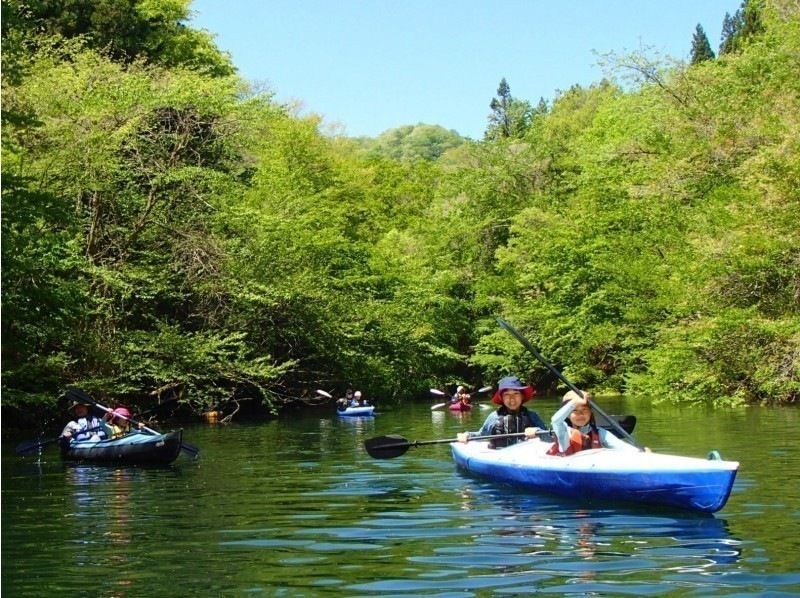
x=322 y=393
x=437 y=392
x=484 y=389
x=438 y=406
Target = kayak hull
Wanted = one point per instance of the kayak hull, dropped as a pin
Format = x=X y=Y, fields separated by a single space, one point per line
x=459 y=407
x=133 y=449
x=365 y=411
x=605 y=474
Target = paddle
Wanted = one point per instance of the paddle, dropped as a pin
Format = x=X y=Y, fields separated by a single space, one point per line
x=628 y=423
x=322 y=393
x=393 y=445
x=571 y=386
x=481 y=391
x=437 y=393
x=25 y=448
x=78 y=394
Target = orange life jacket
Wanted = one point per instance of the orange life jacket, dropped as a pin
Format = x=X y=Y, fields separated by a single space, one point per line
x=578 y=442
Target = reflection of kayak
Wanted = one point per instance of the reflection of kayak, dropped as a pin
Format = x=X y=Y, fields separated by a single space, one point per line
x=356 y=411
x=133 y=449
x=460 y=406
x=604 y=474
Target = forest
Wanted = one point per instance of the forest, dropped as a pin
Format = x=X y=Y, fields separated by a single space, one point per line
x=167 y=227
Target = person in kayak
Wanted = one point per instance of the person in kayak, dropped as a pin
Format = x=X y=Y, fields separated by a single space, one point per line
x=119 y=422
x=461 y=396
x=84 y=427
x=511 y=417
x=358 y=401
x=576 y=430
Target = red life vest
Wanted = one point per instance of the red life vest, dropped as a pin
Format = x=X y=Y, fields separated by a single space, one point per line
x=578 y=442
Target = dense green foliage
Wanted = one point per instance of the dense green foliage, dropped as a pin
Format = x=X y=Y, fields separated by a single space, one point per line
x=413 y=142
x=164 y=226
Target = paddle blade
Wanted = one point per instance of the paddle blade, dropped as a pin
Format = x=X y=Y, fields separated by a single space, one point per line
x=386 y=447
x=626 y=422
x=322 y=393
x=28 y=448
x=190 y=449
x=437 y=406
x=437 y=392
x=482 y=390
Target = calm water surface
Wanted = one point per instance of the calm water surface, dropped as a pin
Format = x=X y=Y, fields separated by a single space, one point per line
x=295 y=507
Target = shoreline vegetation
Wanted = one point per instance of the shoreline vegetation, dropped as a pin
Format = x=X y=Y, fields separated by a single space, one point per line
x=167 y=226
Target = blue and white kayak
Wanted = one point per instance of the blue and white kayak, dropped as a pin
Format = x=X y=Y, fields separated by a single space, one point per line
x=136 y=448
x=366 y=410
x=604 y=474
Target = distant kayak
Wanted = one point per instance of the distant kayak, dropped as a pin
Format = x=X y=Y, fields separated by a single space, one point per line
x=367 y=410
x=604 y=474
x=459 y=406
x=133 y=449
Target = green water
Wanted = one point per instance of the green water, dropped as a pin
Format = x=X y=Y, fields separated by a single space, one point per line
x=295 y=507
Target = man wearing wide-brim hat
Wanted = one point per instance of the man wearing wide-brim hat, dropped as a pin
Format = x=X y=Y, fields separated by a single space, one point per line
x=85 y=426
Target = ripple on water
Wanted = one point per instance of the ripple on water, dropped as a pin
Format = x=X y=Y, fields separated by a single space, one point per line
x=296 y=508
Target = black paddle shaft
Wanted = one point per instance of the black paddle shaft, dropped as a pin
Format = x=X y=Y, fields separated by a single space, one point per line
x=527 y=344
x=393 y=445
x=25 y=448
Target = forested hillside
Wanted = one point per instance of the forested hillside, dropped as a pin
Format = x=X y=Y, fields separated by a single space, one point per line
x=165 y=226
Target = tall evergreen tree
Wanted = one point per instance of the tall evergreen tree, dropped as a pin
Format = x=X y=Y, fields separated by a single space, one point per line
x=701 y=49
x=751 y=18
x=742 y=26
x=731 y=25
x=499 y=121
x=510 y=117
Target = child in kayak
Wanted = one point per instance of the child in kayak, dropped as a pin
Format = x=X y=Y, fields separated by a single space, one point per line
x=511 y=417
x=576 y=430
x=119 y=422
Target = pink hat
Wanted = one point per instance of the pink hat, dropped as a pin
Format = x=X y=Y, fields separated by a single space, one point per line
x=122 y=412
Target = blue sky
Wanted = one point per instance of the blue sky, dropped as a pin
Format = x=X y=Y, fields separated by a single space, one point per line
x=372 y=65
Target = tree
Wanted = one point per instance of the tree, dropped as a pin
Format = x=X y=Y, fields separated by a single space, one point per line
x=116 y=261
x=414 y=142
x=126 y=30
x=701 y=49
x=731 y=25
x=509 y=117
x=742 y=26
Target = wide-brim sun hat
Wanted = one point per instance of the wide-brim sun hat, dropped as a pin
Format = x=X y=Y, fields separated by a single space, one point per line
x=512 y=383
